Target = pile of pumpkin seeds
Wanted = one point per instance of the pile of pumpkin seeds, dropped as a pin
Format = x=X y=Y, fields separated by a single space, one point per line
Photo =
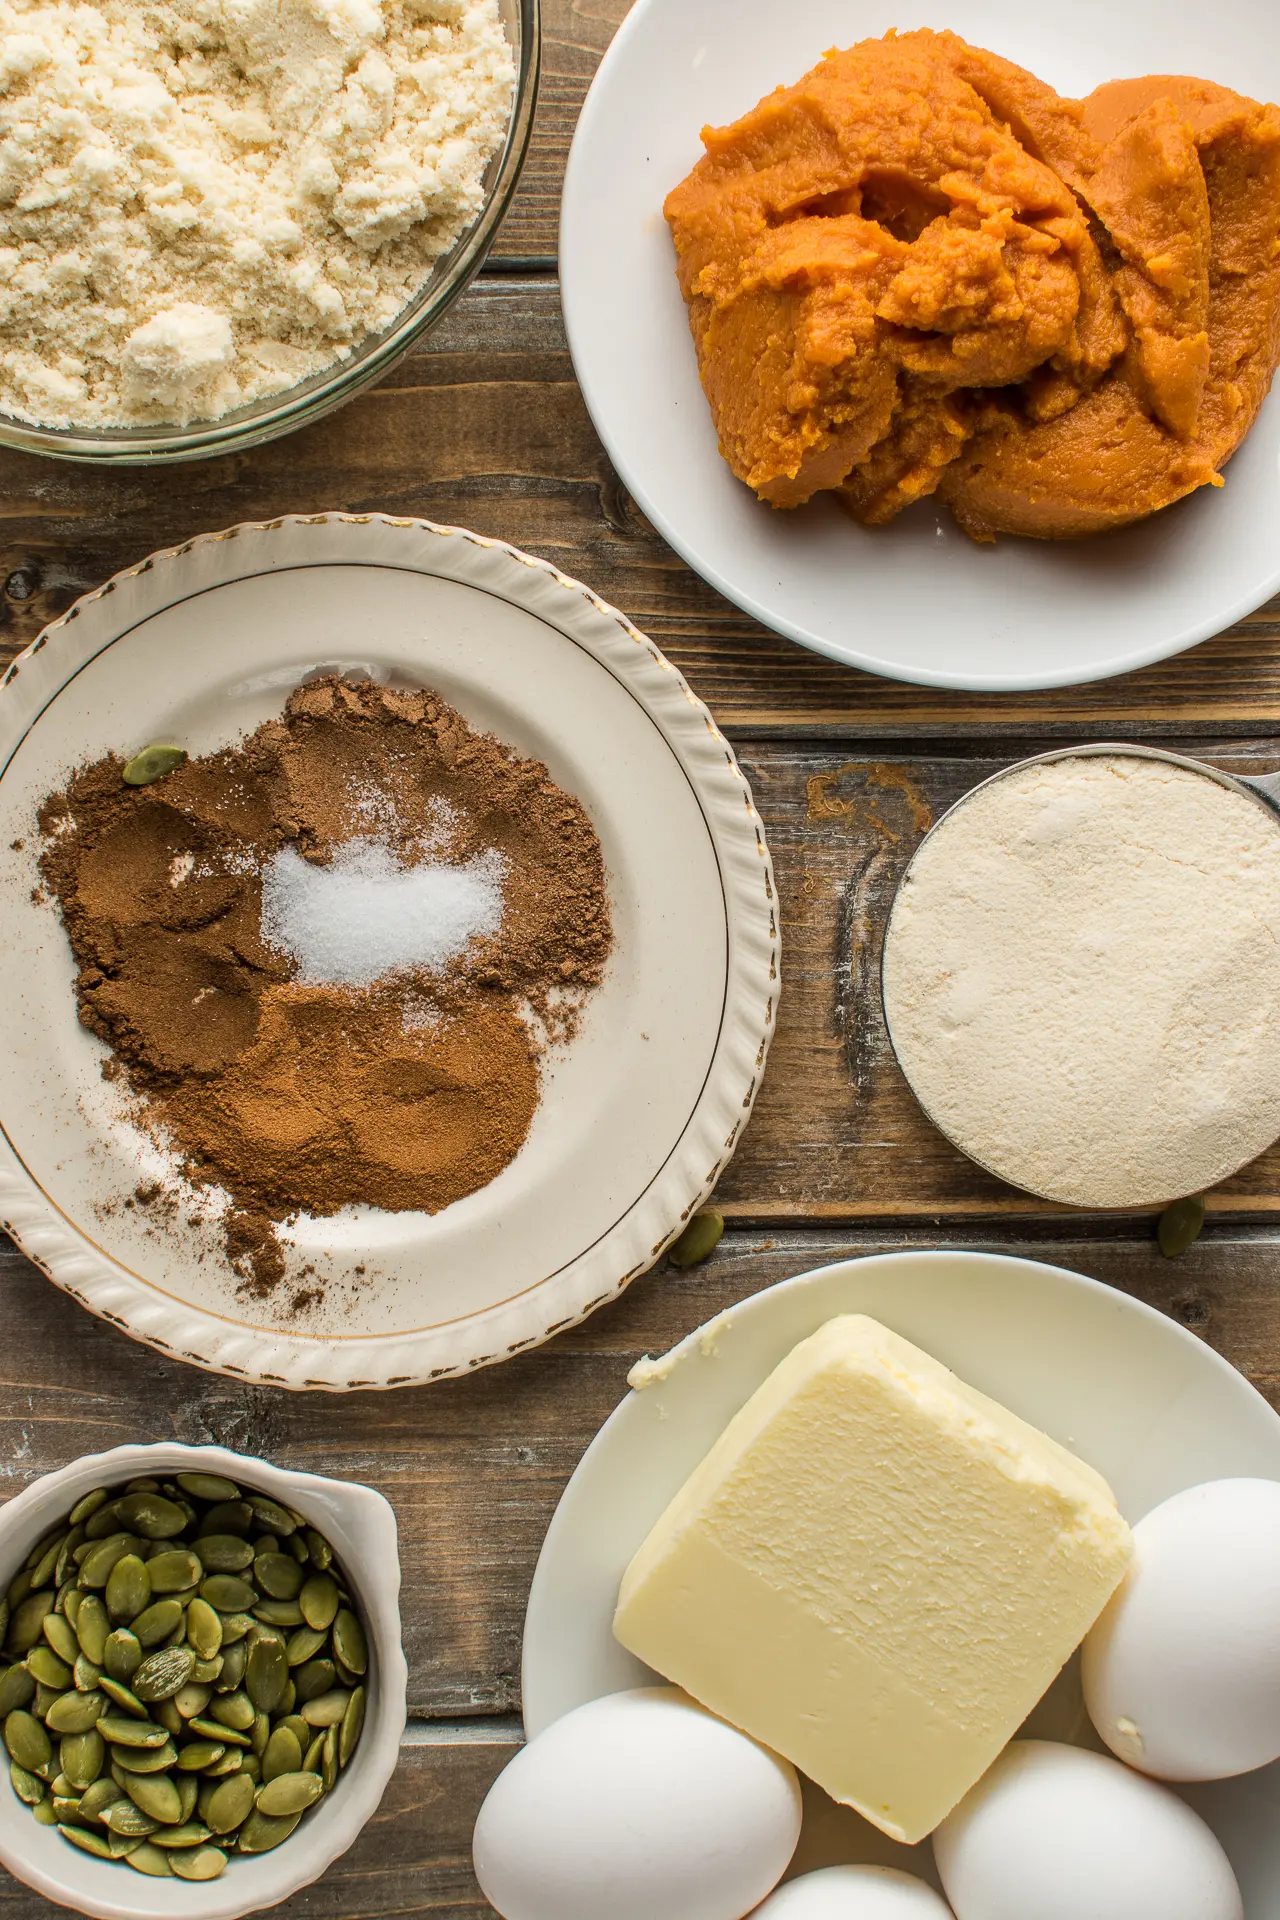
x=186 y=1674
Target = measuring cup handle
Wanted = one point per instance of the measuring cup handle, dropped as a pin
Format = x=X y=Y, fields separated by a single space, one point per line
x=1267 y=784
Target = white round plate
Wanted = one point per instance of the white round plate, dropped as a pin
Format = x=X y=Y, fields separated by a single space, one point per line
x=638 y=1116
x=1136 y=1395
x=916 y=601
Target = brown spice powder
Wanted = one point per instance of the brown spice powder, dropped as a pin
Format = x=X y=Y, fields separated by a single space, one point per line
x=293 y=1097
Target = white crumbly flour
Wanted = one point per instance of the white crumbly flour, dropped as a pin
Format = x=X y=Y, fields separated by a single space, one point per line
x=205 y=201
x=1082 y=979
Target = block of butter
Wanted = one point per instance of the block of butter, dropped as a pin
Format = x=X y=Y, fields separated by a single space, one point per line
x=876 y=1571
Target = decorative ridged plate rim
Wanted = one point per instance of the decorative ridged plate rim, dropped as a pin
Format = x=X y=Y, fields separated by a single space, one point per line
x=279 y=1357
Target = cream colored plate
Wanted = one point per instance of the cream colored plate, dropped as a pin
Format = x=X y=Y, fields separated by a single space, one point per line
x=1148 y=1404
x=638 y=1117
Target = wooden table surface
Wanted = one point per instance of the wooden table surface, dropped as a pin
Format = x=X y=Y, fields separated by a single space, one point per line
x=485 y=427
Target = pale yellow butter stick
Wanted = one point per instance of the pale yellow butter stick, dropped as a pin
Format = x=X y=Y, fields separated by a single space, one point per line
x=877 y=1571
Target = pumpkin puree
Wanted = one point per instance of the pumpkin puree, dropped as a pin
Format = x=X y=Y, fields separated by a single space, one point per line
x=921 y=270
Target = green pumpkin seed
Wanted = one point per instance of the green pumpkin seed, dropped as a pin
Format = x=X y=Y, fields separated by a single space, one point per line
x=319 y=1552
x=303 y=1644
x=289 y=1793
x=26 y=1785
x=235 y=1662
x=150 y=1860
x=227 y=1593
x=319 y=1601
x=213 y=1730
x=76 y=1712
x=199 y=1754
x=187 y=1834
x=278 y=1613
x=329 y=1762
x=349 y=1641
x=27 y=1741
x=191 y=1700
x=44 y=1663
x=352 y=1726
x=204 y=1629
x=317 y=1677
x=86 y=1675
x=266 y=1675
x=70 y=1600
x=18 y=1589
x=268 y=1514
x=45 y=1698
x=97 y=1565
x=229 y=1516
x=209 y=1487
x=128 y=1589
x=93 y=1627
x=95 y=1799
x=162 y=1674
x=65 y=1568
x=206 y=1672
x=17 y=1688
x=327 y=1709
x=88 y=1505
x=260 y=1833
x=233 y=1710
x=61 y=1638
x=232 y=1761
x=282 y=1754
x=121 y=1696
x=131 y=1733
x=152 y=763
x=299 y=1728
x=230 y=1804
x=44 y=1813
x=87 y=1840
x=235 y=1626
x=157 y=1622
x=315 y=1753
x=698 y=1241
x=1181 y=1226
x=278 y=1575
x=133 y=1760
x=225 y=1553
x=82 y=1756
x=26 y=1625
x=205 y=1863
x=156 y=1794
x=124 y=1818
x=102 y=1526
x=188 y=1789
x=122 y=1655
x=174 y=1570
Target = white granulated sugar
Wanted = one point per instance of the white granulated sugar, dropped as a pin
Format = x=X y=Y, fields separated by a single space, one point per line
x=365 y=916
x=203 y=202
x=1082 y=979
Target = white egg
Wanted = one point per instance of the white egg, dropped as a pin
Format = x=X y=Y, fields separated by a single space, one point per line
x=1182 y=1672
x=1055 y=1833
x=854 y=1893
x=637 y=1805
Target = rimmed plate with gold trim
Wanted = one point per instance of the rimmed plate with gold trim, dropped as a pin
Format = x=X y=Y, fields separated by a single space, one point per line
x=639 y=1114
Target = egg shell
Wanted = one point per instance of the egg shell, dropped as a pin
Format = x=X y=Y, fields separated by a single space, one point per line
x=1055 y=1833
x=1182 y=1671
x=637 y=1805
x=854 y=1893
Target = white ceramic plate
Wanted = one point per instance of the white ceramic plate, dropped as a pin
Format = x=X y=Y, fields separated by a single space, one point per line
x=916 y=601
x=638 y=1117
x=1149 y=1405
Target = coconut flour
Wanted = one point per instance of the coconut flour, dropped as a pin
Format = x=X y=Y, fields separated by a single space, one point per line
x=203 y=202
x=1082 y=979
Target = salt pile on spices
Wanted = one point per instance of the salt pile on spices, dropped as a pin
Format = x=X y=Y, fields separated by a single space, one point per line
x=292 y=1036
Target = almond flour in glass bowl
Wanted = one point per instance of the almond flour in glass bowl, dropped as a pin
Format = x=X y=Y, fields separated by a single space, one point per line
x=367 y=360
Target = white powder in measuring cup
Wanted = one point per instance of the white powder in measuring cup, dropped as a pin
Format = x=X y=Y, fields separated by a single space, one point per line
x=1082 y=979
x=203 y=202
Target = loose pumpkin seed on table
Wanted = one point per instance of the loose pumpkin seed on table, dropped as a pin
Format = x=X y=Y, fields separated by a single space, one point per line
x=181 y=1675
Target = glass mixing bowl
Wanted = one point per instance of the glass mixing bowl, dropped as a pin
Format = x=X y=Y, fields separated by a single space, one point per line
x=281 y=412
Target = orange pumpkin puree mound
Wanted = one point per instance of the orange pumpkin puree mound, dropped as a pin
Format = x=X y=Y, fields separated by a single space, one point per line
x=920 y=270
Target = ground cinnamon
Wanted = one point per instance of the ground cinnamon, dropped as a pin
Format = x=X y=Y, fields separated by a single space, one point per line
x=297 y=1097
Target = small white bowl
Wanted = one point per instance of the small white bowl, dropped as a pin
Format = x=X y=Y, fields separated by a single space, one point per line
x=361 y=1527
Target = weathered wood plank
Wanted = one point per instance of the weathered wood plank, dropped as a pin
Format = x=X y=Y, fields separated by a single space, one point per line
x=475 y=1467
x=485 y=427
x=414 y=1857
x=575 y=34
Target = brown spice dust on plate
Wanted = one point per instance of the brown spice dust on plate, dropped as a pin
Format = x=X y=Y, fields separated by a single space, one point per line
x=304 y=1084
